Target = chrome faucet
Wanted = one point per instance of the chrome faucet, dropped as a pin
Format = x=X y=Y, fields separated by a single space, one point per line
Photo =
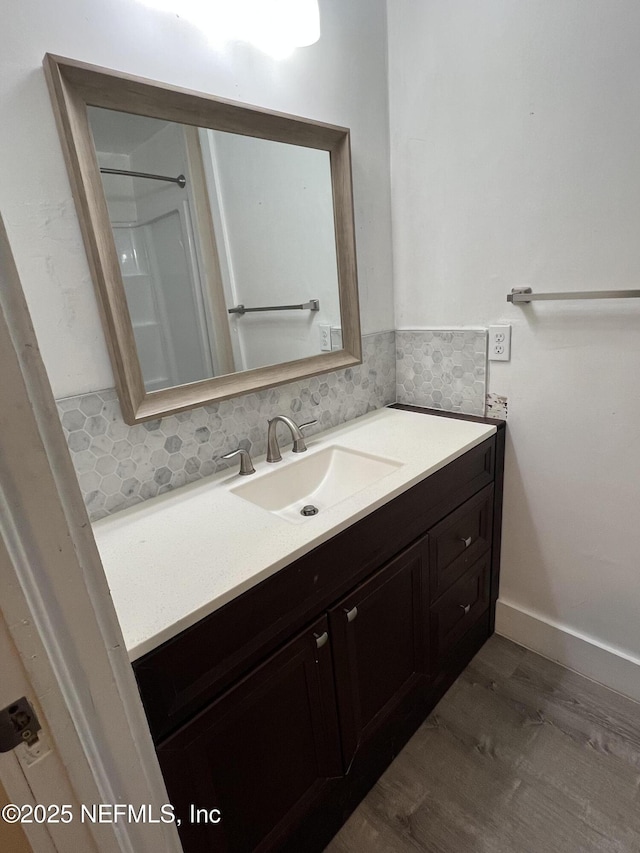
x=299 y=445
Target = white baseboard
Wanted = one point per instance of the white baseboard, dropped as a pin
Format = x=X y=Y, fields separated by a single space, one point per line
x=607 y=665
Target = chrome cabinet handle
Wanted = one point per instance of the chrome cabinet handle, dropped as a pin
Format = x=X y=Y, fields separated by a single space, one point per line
x=321 y=639
x=351 y=614
x=246 y=465
x=466 y=541
x=465 y=607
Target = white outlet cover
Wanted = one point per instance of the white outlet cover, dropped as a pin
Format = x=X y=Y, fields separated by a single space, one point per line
x=499 y=343
x=325 y=337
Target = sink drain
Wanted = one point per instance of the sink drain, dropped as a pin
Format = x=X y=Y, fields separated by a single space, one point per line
x=309 y=509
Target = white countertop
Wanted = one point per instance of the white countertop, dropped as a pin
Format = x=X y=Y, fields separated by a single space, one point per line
x=173 y=560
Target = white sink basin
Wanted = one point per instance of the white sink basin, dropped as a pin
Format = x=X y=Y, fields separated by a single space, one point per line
x=321 y=479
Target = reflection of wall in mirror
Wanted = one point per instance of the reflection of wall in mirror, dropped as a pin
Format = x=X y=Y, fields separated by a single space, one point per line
x=272 y=207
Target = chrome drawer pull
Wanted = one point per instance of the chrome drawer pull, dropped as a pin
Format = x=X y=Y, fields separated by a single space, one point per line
x=321 y=639
x=351 y=614
x=465 y=607
x=466 y=541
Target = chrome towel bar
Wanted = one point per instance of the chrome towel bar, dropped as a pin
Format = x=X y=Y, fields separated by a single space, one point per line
x=525 y=294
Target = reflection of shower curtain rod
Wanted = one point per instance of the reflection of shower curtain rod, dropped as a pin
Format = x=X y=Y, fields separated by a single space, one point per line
x=181 y=181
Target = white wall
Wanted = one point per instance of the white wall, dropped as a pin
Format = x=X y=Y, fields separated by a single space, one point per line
x=515 y=160
x=341 y=79
x=276 y=209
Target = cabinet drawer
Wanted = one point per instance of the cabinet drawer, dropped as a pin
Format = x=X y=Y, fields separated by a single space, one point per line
x=457 y=610
x=458 y=541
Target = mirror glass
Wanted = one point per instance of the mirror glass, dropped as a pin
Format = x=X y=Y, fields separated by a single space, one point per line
x=226 y=245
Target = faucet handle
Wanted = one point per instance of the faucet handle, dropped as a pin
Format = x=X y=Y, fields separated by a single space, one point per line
x=246 y=465
x=299 y=444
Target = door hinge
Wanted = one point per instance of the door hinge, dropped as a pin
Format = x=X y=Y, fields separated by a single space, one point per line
x=18 y=724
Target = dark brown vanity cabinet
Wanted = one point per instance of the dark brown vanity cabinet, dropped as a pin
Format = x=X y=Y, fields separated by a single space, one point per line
x=258 y=756
x=279 y=711
x=268 y=748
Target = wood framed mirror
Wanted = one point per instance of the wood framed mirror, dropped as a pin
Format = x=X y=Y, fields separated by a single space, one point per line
x=220 y=238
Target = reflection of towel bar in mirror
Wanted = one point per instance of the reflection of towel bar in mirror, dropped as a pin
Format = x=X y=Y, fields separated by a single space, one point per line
x=312 y=305
x=181 y=181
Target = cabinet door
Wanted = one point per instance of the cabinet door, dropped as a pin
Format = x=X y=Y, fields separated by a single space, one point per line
x=379 y=637
x=260 y=754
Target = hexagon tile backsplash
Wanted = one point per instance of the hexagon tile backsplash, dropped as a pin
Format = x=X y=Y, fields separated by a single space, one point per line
x=120 y=465
x=442 y=369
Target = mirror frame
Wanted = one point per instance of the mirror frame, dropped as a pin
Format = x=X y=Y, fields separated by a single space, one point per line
x=73 y=87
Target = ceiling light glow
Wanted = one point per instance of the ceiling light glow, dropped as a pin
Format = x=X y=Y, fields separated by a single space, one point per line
x=276 y=27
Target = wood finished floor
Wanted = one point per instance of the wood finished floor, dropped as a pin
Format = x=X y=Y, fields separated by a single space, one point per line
x=520 y=756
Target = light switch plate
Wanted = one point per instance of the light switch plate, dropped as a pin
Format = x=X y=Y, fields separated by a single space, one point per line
x=499 y=343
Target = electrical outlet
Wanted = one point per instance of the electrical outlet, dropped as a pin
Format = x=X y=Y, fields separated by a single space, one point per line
x=325 y=337
x=499 y=343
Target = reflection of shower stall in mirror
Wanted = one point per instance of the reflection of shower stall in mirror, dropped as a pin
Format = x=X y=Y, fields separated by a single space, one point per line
x=166 y=268
x=165 y=297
